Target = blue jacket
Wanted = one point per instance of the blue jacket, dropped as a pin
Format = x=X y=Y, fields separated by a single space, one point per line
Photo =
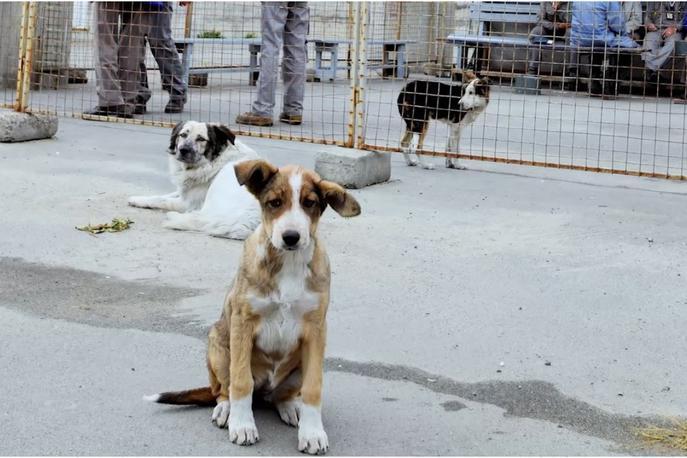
x=599 y=24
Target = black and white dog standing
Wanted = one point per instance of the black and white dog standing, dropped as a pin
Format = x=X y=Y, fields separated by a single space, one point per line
x=208 y=197
x=454 y=104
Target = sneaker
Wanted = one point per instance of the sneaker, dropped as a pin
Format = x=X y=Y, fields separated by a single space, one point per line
x=174 y=106
x=293 y=119
x=119 y=111
x=253 y=119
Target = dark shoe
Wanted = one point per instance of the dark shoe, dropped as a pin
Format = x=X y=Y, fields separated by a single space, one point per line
x=293 y=119
x=174 y=106
x=119 y=111
x=253 y=119
x=140 y=109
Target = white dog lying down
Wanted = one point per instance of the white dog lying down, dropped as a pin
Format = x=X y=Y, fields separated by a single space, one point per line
x=208 y=197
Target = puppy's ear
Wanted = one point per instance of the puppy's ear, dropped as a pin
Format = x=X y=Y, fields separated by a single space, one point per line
x=255 y=174
x=336 y=196
x=174 y=136
x=468 y=75
x=218 y=137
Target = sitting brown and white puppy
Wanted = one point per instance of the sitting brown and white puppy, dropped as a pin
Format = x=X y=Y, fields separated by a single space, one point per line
x=457 y=105
x=271 y=335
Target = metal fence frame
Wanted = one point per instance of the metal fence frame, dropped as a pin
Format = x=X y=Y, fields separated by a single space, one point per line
x=356 y=125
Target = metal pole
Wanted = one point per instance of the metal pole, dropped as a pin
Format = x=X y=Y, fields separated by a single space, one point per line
x=28 y=61
x=364 y=16
x=353 y=100
x=23 y=33
x=188 y=20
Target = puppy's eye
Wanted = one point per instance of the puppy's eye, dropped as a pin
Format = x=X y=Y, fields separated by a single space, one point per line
x=183 y=135
x=309 y=203
x=201 y=139
x=274 y=203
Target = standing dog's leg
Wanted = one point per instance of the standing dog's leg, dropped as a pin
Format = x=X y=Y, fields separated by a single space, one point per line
x=311 y=436
x=420 y=144
x=405 y=147
x=242 y=429
x=454 y=147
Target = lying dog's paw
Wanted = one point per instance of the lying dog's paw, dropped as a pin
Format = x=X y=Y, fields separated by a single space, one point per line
x=312 y=440
x=289 y=411
x=221 y=414
x=137 y=201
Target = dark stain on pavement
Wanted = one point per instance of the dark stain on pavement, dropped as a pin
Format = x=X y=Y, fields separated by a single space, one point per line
x=533 y=399
x=453 y=406
x=92 y=298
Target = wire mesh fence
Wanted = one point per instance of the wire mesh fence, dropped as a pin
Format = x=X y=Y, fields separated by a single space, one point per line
x=584 y=85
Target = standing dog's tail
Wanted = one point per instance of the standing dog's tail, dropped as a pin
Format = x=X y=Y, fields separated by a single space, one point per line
x=198 y=396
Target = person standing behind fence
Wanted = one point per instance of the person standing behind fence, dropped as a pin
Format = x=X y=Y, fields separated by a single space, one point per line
x=119 y=52
x=282 y=24
x=663 y=29
x=553 y=24
x=158 y=23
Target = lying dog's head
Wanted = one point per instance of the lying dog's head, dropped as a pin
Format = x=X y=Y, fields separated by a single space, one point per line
x=475 y=91
x=195 y=143
x=292 y=200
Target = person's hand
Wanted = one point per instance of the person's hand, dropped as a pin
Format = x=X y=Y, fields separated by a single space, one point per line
x=184 y=3
x=670 y=31
x=651 y=27
x=564 y=25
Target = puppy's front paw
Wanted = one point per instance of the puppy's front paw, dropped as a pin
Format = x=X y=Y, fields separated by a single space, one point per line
x=312 y=440
x=221 y=414
x=428 y=166
x=243 y=434
x=289 y=411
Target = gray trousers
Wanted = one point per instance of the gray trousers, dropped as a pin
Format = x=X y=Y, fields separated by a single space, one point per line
x=534 y=52
x=119 y=52
x=657 y=55
x=159 y=35
x=283 y=23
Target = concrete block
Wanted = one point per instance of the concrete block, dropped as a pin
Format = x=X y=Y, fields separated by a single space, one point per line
x=21 y=127
x=353 y=168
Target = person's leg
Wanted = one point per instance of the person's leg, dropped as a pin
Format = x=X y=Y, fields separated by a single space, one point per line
x=272 y=27
x=107 y=68
x=655 y=55
x=165 y=53
x=132 y=52
x=293 y=64
x=534 y=51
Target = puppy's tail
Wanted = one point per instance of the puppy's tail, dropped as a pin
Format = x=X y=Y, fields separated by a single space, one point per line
x=198 y=396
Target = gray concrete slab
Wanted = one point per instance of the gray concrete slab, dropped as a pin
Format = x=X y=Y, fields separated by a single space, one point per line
x=450 y=294
x=22 y=127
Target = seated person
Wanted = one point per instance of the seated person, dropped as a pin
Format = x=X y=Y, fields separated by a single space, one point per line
x=663 y=29
x=599 y=25
x=553 y=25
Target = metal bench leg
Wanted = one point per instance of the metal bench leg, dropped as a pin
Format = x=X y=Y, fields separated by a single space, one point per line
x=254 y=68
x=385 y=60
x=401 y=68
x=334 y=62
x=318 y=62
